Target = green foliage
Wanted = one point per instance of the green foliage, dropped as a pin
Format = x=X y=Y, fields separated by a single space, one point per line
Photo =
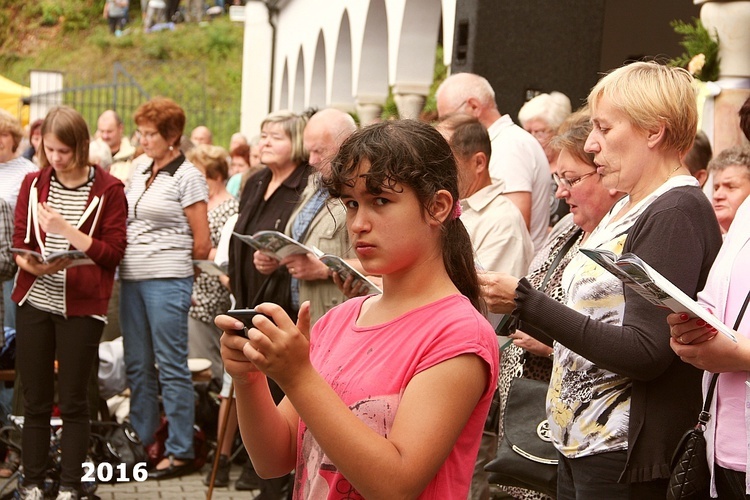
x=697 y=40
x=156 y=47
x=51 y=13
x=75 y=20
x=220 y=40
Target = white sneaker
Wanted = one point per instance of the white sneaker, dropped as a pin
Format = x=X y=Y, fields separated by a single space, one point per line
x=67 y=495
x=30 y=493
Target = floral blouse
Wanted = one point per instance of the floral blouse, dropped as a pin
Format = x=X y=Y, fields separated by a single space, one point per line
x=210 y=297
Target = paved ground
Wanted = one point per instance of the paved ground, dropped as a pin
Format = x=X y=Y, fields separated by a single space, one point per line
x=188 y=487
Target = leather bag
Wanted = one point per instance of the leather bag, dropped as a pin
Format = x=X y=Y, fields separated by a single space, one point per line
x=691 y=477
x=526 y=457
x=117 y=444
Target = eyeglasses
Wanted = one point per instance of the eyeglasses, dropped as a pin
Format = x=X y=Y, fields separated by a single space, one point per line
x=459 y=106
x=569 y=183
x=542 y=133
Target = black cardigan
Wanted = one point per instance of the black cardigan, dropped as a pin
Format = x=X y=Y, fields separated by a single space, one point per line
x=677 y=235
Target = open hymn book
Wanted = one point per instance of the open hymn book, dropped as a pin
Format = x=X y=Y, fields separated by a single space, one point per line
x=278 y=246
x=654 y=287
x=79 y=258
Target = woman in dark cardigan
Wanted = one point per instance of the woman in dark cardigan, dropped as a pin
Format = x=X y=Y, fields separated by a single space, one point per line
x=619 y=398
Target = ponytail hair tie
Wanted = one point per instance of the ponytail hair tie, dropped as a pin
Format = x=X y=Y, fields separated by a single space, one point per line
x=456 y=210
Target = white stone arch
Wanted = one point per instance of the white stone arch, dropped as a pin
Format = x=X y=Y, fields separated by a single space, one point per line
x=283 y=100
x=298 y=98
x=342 y=96
x=415 y=43
x=317 y=86
x=371 y=84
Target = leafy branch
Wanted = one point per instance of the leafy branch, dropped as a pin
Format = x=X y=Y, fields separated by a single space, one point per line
x=702 y=50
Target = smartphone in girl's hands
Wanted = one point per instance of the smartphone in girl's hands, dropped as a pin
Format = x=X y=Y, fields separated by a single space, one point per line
x=246 y=316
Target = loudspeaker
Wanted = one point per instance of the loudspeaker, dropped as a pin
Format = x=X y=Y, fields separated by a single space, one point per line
x=530 y=46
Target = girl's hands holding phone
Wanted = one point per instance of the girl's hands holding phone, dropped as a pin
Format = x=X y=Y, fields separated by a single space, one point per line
x=276 y=347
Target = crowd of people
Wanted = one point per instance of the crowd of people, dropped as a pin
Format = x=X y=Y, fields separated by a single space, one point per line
x=470 y=227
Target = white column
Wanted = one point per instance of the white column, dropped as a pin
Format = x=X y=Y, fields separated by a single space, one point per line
x=256 y=68
x=369 y=109
x=730 y=21
x=410 y=99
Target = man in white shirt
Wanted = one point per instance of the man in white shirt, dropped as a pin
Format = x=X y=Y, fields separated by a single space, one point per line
x=109 y=128
x=517 y=157
x=495 y=225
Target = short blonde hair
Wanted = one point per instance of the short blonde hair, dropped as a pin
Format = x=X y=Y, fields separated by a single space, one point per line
x=10 y=124
x=211 y=159
x=651 y=95
x=294 y=126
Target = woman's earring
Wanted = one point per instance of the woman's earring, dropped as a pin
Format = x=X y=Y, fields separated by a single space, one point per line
x=171 y=148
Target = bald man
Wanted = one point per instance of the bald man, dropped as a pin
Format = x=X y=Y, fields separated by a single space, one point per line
x=109 y=128
x=324 y=133
x=517 y=157
x=201 y=135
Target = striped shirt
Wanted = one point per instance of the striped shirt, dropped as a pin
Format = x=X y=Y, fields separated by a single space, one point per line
x=11 y=177
x=48 y=291
x=160 y=240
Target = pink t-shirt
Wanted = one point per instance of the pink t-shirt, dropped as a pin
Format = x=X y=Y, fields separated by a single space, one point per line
x=370 y=367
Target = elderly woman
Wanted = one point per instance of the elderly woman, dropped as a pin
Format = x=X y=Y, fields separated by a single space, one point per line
x=267 y=202
x=210 y=296
x=618 y=401
x=12 y=171
x=731 y=178
x=13 y=168
x=582 y=189
x=542 y=117
x=167 y=228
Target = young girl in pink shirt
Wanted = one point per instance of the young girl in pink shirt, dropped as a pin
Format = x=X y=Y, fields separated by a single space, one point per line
x=387 y=396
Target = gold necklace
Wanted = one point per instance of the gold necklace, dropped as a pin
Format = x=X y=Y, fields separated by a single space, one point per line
x=673 y=171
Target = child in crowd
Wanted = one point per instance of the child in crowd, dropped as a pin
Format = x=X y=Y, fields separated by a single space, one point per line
x=67 y=205
x=389 y=393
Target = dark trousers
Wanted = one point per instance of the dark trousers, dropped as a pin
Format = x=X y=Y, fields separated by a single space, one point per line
x=730 y=484
x=43 y=337
x=596 y=477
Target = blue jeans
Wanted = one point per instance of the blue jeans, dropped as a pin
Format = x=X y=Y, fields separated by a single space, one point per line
x=153 y=319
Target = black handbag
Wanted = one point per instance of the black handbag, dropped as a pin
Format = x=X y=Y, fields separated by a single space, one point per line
x=526 y=457
x=117 y=444
x=691 y=477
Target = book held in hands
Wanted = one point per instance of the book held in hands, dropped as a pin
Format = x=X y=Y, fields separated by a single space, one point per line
x=78 y=257
x=654 y=287
x=278 y=246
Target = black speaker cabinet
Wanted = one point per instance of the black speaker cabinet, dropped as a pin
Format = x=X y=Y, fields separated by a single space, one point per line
x=523 y=47
x=528 y=46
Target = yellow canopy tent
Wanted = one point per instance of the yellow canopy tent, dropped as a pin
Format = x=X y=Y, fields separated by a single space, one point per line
x=11 y=95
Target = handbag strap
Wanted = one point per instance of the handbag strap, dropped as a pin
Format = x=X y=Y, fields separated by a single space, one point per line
x=559 y=257
x=704 y=415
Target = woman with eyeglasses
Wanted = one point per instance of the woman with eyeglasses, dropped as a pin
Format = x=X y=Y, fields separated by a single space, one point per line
x=619 y=400
x=578 y=186
x=167 y=229
x=542 y=117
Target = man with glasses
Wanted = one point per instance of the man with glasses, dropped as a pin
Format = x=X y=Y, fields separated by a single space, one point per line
x=517 y=158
